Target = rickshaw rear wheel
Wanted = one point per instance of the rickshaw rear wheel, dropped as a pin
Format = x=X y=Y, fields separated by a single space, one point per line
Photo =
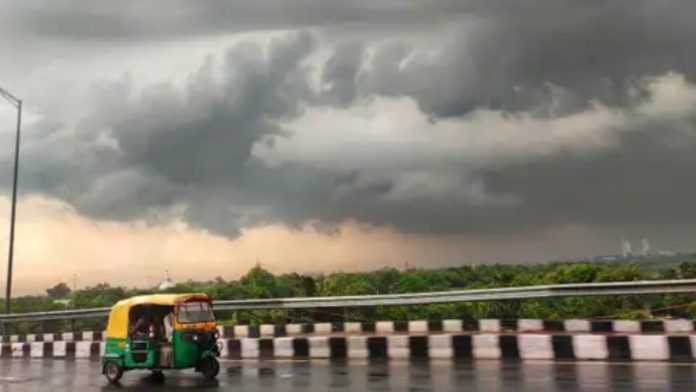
x=209 y=367
x=113 y=372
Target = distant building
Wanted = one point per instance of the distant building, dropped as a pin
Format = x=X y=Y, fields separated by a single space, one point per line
x=167 y=282
x=645 y=245
x=626 y=248
x=607 y=257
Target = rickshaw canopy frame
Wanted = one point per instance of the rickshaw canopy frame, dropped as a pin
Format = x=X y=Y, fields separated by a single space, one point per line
x=117 y=326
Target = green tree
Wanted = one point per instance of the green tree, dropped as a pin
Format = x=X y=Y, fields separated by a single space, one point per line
x=573 y=273
x=413 y=283
x=383 y=281
x=100 y=295
x=260 y=283
x=621 y=273
x=342 y=284
x=59 y=291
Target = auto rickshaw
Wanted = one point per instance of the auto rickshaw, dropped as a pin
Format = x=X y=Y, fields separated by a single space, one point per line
x=160 y=332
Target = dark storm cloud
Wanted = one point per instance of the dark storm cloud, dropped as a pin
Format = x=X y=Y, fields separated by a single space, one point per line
x=131 y=19
x=194 y=146
x=208 y=130
x=200 y=139
x=646 y=184
x=550 y=59
x=521 y=55
x=162 y=146
x=339 y=75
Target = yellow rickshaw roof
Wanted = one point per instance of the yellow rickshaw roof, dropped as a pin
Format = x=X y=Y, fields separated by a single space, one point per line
x=156 y=299
x=117 y=326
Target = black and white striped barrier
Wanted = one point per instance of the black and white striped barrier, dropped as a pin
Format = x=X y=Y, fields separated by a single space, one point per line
x=455 y=326
x=411 y=327
x=87 y=336
x=476 y=346
x=441 y=346
x=54 y=349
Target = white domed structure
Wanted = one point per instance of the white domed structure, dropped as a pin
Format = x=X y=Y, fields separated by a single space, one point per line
x=167 y=282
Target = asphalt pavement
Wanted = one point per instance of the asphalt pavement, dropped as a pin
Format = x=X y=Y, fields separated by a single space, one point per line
x=82 y=375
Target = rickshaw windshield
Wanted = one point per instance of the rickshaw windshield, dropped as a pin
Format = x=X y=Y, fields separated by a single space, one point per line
x=195 y=312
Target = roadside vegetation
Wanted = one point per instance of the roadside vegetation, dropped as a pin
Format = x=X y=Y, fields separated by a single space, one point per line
x=260 y=283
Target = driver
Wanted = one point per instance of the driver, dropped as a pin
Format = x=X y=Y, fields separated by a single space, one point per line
x=157 y=328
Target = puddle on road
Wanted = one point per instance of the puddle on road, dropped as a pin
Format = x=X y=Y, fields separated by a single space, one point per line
x=13 y=380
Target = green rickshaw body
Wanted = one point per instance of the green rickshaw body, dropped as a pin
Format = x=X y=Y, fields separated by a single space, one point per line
x=191 y=344
x=186 y=353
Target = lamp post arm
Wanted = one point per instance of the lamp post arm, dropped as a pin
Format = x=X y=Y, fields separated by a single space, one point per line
x=16 y=102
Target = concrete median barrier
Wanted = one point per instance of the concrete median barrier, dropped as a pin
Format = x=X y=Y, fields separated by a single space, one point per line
x=477 y=346
x=482 y=346
x=522 y=339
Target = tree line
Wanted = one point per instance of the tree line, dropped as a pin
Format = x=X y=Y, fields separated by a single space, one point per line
x=260 y=283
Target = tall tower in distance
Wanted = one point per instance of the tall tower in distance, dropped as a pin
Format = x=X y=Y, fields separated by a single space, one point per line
x=645 y=247
x=626 y=248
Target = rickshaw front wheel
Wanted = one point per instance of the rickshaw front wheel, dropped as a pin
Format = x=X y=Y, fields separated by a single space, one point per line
x=209 y=367
x=157 y=376
x=113 y=372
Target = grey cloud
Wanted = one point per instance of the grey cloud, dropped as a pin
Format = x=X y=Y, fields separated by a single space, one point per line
x=164 y=19
x=200 y=140
x=207 y=130
x=549 y=59
x=339 y=75
x=193 y=146
x=644 y=185
x=163 y=146
x=521 y=56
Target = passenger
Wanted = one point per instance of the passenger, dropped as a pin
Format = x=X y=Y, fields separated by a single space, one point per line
x=141 y=326
x=168 y=326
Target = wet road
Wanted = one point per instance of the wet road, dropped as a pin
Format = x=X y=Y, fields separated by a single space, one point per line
x=57 y=375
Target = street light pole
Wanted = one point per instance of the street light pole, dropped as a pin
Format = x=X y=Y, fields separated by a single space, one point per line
x=17 y=103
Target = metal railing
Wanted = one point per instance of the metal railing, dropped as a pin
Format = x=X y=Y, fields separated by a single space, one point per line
x=507 y=293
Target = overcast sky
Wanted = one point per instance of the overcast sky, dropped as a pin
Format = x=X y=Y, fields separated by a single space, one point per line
x=322 y=135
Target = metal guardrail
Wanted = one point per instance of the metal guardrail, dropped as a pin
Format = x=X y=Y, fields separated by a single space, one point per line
x=507 y=293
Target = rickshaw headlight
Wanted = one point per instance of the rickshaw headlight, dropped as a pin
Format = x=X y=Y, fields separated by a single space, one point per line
x=195 y=338
x=217 y=335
